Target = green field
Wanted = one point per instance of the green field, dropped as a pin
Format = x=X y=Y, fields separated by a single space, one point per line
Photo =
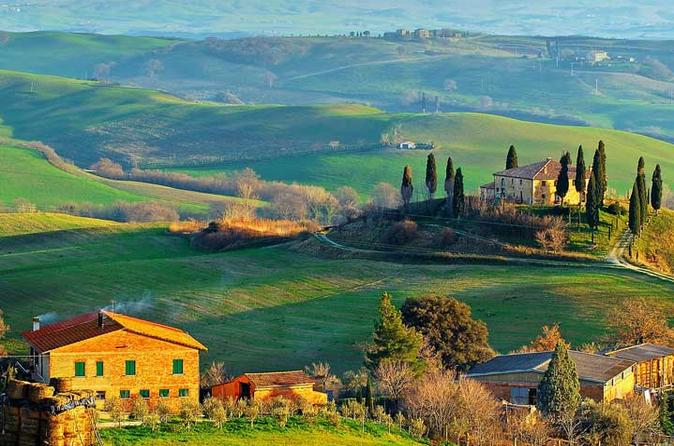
x=265 y=432
x=26 y=174
x=477 y=142
x=277 y=308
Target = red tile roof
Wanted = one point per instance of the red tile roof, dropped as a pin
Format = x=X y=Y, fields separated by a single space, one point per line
x=542 y=170
x=85 y=326
x=273 y=379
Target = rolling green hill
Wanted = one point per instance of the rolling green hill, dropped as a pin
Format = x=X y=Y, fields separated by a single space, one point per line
x=86 y=120
x=276 y=308
x=26 y=174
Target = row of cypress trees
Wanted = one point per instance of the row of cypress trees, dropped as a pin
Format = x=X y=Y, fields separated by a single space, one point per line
x=453 y=185
x=641 y=196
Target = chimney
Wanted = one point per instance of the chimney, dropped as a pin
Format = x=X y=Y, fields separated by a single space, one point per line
x=36 y=323
x=100 y=318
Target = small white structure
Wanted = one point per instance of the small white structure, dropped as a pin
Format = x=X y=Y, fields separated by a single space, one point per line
x=407 y=145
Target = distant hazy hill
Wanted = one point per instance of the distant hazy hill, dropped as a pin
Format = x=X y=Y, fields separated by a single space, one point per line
x=617 y=18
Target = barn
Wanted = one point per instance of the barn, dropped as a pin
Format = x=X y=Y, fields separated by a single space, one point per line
x=515 y=378
x=654 y=367
x=117 y=355
x=260 y=386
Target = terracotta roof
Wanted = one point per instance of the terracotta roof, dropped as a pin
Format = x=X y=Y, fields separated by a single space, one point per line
x=272 y=379
x=542 y=170
x=590 y=367
x=488 y=186
x=642 y=352
x=85 y=326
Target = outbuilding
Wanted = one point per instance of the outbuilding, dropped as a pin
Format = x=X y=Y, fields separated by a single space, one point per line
x=260 y=386
x=654 y=367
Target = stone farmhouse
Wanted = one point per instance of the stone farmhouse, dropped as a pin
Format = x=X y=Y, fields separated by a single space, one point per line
x=260 y=386
x=118 y=355
x=534 y=184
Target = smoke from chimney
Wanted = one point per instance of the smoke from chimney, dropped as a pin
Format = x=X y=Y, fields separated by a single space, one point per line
x=36 y=323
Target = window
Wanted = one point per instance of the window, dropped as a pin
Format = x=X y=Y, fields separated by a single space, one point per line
x=80 y=368
x=99 y=368
x=163 y=393
x=100 y=395
x=177 y=366
x=144 y=393
x=543 y=183
x=520 y=182
x=130 y=368
x=183 y=392
x=523 y=395
x=125 y=394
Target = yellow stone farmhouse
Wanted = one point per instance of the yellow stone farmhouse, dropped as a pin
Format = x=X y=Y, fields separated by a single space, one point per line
x=118 y=355
x=532 y=184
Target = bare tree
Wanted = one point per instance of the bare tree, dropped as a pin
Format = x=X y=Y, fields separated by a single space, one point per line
x=394 y=378
x=643 y=414
x=385 y=196
x=214 y=375
x=636 y=321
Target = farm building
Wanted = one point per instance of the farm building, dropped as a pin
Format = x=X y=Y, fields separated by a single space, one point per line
x=654 y=367
x=260 y=386
x=515 y=378
x=118 y=355
x=532 y=184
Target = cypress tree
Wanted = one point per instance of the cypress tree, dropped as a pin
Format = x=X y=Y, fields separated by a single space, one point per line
x=449 y=182
x=601 y=178
x=406 y=188
x=511 y=159
x=369 y=400
x=579 y=181
x=458 y=204
x=559 y=390
x=563 y=177
x=431 y=176
x=592 y=203
x=635 y=209
x=656 y=189
x=391 y=339
x=643 y=192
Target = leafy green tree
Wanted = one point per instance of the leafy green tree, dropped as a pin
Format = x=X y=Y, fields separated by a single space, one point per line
x=431 y=176
x=392 y=339
x=511 y=159
x=448 y=327
x=559 y=390
x=458 y=204
x=592 y=203
x=449 y=181
x=406 y=188
x=579 y=181
x=666 y=422
x=643 y=191
x=635 y=209
x=563 y=177
x=656 y=189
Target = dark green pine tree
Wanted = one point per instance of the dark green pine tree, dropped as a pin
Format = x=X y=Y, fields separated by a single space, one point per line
x=563 y=177
x=406 y=187
x=602 y=178
x=559 y=390
x=592 y=203
x=656 y=189
x=449 y=181
x=369 y=397
x=391 y=339
x=643 y=191
x=635 y=209
x=511 y=159
x=431 y=176
x=579 y=182
x=458 y=204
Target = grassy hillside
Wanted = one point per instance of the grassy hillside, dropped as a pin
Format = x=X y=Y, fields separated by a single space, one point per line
x=276 y=308
x=87 y=120
x=69 y=54
x=477 y=142
x=27 y=175
x=656 y=244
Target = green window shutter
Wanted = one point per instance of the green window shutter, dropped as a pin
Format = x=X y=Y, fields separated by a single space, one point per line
x=163 y=393
x=124 y=394
x=177 y=366
x=99 y=368
x=80 y=368
x=130 y=368
x=144 y=393
x=183 y=392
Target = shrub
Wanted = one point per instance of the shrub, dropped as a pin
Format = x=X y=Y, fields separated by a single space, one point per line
x=189 y=412
x=252 y=411
x=606 y=423
x=553 y=238
x=616 y=208
x=139 y=409
x=152 y=420
x=210 y=406
x=280 y=410
x=219 y=417
x=23 y=206
x=417 y=428
x=115 y=408
x=164 y=411
x=448 y=237
x=401 y=233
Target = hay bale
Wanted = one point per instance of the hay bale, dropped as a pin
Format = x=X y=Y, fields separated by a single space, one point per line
x=37 y=392
x=16 y=389
x=61 y=385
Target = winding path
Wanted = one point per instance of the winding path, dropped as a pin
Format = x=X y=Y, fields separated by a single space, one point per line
x=616 y=258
